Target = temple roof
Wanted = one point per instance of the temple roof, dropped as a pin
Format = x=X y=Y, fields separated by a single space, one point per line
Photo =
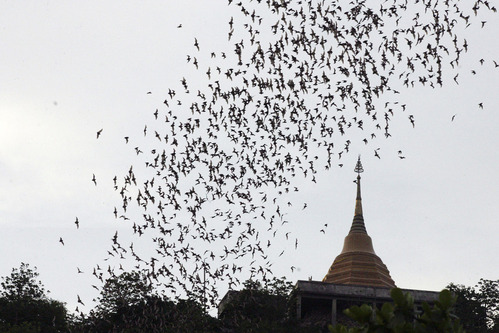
x=357 y=263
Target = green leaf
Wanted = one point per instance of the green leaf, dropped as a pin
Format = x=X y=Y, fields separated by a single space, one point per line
x=360 y=314
x=397 y=296
x=446 y=299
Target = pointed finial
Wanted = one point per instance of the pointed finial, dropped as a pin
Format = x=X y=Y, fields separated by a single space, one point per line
x=358 y=200
x=358 y=167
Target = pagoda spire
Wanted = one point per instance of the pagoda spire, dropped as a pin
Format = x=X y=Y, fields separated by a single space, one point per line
x=358 y=264
x=358 y=218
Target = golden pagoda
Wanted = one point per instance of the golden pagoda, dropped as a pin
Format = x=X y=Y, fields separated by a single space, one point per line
x=358 y=264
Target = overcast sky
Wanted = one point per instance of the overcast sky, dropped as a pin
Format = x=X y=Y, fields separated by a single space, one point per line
x=68 y=69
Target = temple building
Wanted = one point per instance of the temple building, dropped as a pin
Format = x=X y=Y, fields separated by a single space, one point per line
x=356 y=276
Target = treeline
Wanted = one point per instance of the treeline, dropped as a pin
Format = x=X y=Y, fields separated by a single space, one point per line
x=129 y=303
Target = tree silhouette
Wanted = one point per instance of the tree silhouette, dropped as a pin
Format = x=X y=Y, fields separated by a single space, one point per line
x=24 y=305
x=129 y=303
x=477 y=307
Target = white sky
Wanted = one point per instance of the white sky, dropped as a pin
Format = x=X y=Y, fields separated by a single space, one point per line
x=68 y=69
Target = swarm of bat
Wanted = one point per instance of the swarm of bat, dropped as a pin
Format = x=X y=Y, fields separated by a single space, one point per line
x=298 y=81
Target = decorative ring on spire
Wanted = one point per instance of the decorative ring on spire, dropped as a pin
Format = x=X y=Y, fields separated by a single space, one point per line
x=358 y=167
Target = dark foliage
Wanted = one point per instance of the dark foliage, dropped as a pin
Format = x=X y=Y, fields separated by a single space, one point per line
x=402 y=317
x=129 y=303
x=261 y=308
x=24 y=306
x=478 y=307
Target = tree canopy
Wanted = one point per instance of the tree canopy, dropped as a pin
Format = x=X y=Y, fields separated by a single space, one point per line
x=25 y=307
x=401 y=316
x=478 y=306
x=130 y=303
x=22 y=284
